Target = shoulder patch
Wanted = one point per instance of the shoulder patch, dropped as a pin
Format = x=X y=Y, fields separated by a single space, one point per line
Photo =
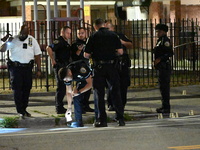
x=55 y=41
x=83 y=70
x=167 y=44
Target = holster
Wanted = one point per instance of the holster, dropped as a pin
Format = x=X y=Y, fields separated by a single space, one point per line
x=18 y=64
x=166 y=65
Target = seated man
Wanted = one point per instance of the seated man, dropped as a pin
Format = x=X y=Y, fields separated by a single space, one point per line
x=80 y=72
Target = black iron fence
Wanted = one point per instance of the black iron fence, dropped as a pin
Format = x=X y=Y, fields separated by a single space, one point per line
x=184 y=35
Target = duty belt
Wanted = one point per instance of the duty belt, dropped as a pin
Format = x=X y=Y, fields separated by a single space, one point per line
x=101 y=62
x=18 y=64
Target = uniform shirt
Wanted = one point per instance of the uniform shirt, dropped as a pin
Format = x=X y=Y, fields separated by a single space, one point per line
x=124 y=38
x=61 y=48
x=74 y=49
x=163 y=49
x=80 y=72
x=102 y=45
x=23 y=51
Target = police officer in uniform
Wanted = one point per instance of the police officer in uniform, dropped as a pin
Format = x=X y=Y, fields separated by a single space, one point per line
x=124 y=64
x=80 y=72
x=163 y=51
x=103 y=47
x=59 y=53
x=77 y=54
x=23 y=50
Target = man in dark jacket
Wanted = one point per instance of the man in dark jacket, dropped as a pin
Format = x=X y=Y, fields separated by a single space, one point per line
x=59 y=53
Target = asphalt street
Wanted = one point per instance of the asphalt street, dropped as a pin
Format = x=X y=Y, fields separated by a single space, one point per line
x=146 y=132
x=156 y=134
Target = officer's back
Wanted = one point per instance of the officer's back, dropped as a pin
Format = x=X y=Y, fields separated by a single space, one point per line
x=104 y=44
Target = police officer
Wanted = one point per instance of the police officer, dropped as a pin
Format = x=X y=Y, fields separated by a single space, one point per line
x=124 y=63
x=77 y=54
x=163 y=51
x=103 y=47
x=59 y=53
x=23 y=50
x=80 y=72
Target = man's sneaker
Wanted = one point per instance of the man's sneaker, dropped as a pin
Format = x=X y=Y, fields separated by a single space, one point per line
x=163 y=110
x=27 y=114
x=100 y=124
x=21 y=116
x=75 y=125
x=61 y=110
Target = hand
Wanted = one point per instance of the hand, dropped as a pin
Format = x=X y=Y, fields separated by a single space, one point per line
x=53 y=62
x=122 y=42
x=39 y=74
x=157 y=61
x=75 y=92
x=80 y=47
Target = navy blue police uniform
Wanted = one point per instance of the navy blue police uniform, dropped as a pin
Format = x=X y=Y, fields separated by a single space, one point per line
x=163 y=51
x=102 y=46
x=124 y=64
x=61 y=49
x=76 y=57
x=80 y=72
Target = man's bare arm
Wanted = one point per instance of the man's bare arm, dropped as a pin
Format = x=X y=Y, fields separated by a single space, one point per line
x=50 y=52
x=87 y=55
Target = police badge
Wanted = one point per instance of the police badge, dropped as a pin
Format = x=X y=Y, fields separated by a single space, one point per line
x=83 y=70
x=30 y=42
x=167 y=44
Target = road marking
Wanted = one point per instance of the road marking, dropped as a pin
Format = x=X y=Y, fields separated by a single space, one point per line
x=10 y=130
x=191 y=147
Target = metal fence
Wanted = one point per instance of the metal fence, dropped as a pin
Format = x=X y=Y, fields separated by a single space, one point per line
x=184 y=35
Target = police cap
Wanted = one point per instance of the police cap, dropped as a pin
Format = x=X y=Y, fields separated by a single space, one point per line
x=162 y=27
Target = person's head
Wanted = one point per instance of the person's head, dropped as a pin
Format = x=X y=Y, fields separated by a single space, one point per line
x=65 y=75
x=65 y=32
x=81 y=33
x=23 y=33
x=99 y=23
x=110 y=26
x=161 y=30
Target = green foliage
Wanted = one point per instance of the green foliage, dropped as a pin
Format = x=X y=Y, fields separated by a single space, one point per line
x=127 y=117
x=57 y=120
x=9 y=122
x=89 y=120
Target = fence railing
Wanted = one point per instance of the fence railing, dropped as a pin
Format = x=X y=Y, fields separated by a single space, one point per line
x=184 y=35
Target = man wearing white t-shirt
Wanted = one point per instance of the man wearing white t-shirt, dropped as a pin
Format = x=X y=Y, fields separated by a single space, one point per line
x=23 y=51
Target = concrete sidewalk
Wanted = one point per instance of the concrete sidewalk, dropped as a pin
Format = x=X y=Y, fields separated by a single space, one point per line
x=141 y=103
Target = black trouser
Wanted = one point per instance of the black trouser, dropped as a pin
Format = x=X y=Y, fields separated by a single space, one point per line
x=124 y=74
x=60 y=90
x=21 y=82
x=104 y=75
x=164 y=83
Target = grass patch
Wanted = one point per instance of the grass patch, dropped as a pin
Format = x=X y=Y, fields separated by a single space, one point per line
x=89 y=120
x=57 y=120
x=9 y=122
x=127 y=117
x=36 y=111
x=61 y=115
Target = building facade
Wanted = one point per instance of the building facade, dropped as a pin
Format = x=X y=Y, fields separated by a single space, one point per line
x=158 y=9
